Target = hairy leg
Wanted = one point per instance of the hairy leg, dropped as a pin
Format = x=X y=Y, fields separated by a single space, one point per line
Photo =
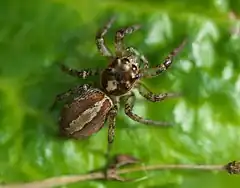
x=80 y=73
x=120 y=34
x=130 y=100
x=102 y=48
x=146 y=93
x=111 y=121
x=111 y=130
x=152 y=72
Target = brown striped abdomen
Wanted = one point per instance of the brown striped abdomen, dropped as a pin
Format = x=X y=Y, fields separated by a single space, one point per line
x=86 y=114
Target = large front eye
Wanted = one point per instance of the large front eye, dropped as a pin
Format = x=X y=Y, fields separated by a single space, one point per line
x=134 y=67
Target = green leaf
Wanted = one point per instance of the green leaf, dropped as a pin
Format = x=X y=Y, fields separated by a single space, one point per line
x=34 y=34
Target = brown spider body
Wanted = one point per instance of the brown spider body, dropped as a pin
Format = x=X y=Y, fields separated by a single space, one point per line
x=85 y=114
x=90 y=107
x=120 y=76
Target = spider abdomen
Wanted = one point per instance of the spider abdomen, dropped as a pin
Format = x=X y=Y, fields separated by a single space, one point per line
x=85 y=114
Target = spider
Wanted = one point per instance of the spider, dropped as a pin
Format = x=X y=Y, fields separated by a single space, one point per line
x=90 y=106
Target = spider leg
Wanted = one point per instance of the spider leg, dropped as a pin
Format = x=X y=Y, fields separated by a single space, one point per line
x=111 y=128
x=102 y=48
x=73 y=91
x=120 y=34
x=146 y=93
x=111 y=121
x=80 y=73
x=142 y=58
x=130 y=100
x=152 y=72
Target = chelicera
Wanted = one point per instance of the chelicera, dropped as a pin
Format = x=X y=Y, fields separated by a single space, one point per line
x=89 y=106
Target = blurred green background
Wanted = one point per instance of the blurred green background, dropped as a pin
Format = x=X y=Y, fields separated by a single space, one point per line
x=33 y=34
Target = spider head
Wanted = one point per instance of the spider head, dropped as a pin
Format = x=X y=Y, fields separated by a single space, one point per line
x=121 y=74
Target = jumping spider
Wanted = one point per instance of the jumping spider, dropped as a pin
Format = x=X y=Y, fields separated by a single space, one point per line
x=90 y=107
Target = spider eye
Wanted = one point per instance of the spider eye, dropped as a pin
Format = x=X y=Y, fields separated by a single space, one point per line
x=134 y=67
x=125 y=60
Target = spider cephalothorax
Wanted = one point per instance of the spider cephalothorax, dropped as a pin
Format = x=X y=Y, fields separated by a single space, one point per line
x=120 y=75
x=90 y=107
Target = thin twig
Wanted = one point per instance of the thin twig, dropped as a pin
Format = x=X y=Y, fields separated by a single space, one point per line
x=63 y=180
x=172 y=167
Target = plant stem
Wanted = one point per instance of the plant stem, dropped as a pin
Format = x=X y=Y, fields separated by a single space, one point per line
x=63 y=180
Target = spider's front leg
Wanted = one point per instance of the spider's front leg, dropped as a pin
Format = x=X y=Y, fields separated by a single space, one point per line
x=130 y=100
x=152 y=72
x=146 y=93
x=74 y=91
x=80 y=73
x=102 y=48
x=120 y=34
